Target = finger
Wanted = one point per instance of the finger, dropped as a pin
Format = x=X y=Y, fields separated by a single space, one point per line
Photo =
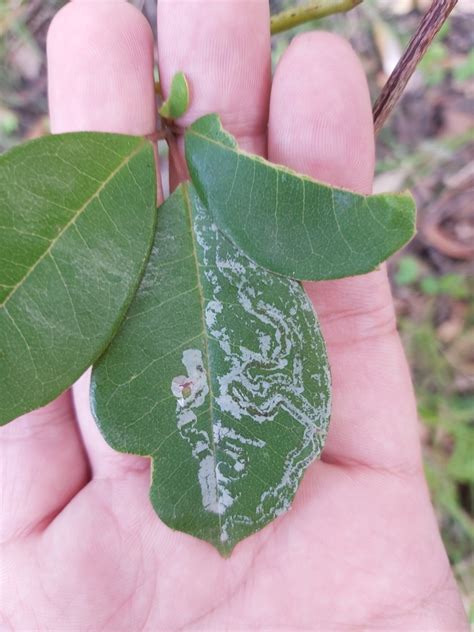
x=100 y=65
x=320 y=123
x=42 y=466
x=224 y=50
x=100 y=69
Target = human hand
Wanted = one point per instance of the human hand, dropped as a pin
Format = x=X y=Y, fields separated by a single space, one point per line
x=82 y=547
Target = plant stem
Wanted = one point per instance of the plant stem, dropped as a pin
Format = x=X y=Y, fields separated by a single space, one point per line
x=159 y=134
x=313 y=11
x=159 y=180
x=175 y=156
x=429 y=26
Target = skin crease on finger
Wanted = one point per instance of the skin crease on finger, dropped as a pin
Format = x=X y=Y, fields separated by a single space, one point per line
x=360 y=548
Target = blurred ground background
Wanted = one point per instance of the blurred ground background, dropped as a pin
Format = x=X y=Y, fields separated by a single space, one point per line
x=428 y=146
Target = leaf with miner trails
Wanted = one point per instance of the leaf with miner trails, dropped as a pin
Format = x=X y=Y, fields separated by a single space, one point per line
x=220 y=374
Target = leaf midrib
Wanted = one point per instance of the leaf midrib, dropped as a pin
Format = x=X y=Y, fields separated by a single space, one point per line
x=206 y=344
x=287 y=170
x=73 y=220
x=275 y=166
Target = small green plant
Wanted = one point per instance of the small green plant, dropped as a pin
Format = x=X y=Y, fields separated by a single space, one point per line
x=449 y=465
x=453 y=285
x=432 y=66
x=465 y=70
x=409 y=272
x=445 y=411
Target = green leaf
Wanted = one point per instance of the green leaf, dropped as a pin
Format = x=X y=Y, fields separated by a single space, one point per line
x=178 y=100
x=432 y=65
x=461 y=463
x=289 y=223
x=454 y=285
x=430 y=285
x=220 y=374
x=77 y=217
x=408 y=271
x=465 y=70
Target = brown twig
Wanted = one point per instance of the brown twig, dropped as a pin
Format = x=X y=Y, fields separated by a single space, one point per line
x=159 y=134
x=429 y=26
x=159 y=180
x=176 y=158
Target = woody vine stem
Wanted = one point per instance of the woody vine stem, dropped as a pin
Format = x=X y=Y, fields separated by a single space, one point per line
x=429 y=26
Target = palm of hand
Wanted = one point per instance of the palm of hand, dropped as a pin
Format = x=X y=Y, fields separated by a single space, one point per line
x=336 y=560
x=82 y=547
x=347 y=554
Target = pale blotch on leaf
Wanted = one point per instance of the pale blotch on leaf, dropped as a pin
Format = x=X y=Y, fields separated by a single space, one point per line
x=77 y=221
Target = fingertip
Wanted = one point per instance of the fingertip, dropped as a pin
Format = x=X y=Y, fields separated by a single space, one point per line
x=100 y=69
x=320 y=119
x=224 y=50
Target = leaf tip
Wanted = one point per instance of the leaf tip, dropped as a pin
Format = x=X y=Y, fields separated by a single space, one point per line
x=225 y=551
x=210 y=126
